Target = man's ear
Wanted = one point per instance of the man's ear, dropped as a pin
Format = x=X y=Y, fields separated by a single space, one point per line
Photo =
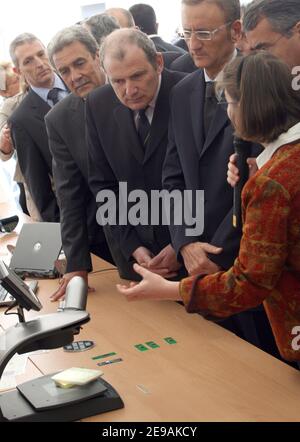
x=236 y=31
x=160 y=62
x=297 y=28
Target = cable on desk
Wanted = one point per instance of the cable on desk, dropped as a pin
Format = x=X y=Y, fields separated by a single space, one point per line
x=103 y=270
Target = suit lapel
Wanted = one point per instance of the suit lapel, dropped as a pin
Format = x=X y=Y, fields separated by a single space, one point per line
x=77 y=109
x=219 y=121
x=79 y=148
x=128 y=132
x=160 y=121
x=39 y=107
x=197 y=111
x=197 y=98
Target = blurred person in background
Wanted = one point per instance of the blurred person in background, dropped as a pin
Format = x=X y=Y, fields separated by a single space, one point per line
x=13 y=88
x=123 y=17
x=100 y=25
x=145 y=19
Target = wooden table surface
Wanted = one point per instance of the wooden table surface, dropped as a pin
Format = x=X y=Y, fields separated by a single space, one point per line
x=208 y=375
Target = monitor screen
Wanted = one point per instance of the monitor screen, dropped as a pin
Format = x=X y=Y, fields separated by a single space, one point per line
x=18 y=289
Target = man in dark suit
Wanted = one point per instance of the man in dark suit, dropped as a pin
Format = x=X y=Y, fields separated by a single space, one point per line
x=184 y=63
x=129 y=146
x=201 y=141
x=27 y=122
x=199 y=147
x=74 y=53
x=145 y=18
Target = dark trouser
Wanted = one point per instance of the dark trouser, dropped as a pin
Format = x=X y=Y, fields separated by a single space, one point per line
x=22 y=199
x=102 y=251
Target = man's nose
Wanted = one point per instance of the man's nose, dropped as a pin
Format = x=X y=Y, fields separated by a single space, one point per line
x=39 y=62
x=194 y=42
x=131 y=89
x=75 y=75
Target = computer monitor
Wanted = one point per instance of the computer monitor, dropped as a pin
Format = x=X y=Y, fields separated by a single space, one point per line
x=18 y=289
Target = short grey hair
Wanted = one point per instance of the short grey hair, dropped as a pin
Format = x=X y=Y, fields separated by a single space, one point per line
x=282 y=15
x=21 y=39
x=69 y=35
x=231 y=8
x=101 y=25
x=117 y=42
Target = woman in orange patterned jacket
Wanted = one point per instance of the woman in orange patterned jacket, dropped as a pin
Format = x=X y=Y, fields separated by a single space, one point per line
x=264 y=108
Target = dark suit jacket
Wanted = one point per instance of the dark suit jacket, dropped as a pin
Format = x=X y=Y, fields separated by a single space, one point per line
x=163 y=46
x=193 y=162
x=80 y=231
x=181 y=43
x=184 y=63
x=115 y=155
x=31 y=142
x=169 y=58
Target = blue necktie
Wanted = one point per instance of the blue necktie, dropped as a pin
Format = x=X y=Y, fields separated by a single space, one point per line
x=53 y=95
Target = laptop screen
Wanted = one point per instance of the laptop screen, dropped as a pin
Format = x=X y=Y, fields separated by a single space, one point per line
x=38 y=247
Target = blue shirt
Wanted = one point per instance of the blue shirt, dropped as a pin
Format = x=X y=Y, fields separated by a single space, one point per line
x=43 y=92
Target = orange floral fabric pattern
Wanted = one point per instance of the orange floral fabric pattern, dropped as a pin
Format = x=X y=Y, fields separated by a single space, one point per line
x=268 y=266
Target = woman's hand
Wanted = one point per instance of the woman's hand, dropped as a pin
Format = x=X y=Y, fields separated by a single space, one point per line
x=233 y=172
x=152 y=287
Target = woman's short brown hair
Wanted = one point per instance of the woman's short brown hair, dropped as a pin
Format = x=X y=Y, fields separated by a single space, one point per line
x=268 y=104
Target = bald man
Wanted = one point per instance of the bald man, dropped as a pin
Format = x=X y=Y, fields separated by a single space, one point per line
x=123 y=17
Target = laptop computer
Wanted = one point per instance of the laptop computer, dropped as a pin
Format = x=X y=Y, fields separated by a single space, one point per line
x=38 y=247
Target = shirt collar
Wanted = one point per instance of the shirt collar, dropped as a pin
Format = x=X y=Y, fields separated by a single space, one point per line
x=43 y=92
x=290 y=136
x=219 y=77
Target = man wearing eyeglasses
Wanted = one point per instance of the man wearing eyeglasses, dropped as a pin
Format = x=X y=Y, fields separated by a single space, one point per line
x=274 y=26
x=201 y=141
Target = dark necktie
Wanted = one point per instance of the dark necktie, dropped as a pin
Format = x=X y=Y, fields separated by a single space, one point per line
x=210 y=105
x=143 y=127
x=53 y=95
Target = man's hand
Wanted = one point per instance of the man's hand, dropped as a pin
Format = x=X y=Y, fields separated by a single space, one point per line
x=6 y=145
x=233 y=171
x=142 y=256
x=152 y=287
x=195 y=260
x=64 y=281
x=165 y=260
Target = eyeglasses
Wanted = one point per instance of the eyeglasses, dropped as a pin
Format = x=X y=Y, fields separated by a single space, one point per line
x=200 y=35
x=225 y=103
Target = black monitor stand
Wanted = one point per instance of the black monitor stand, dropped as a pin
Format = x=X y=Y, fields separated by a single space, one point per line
x=40 y=399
